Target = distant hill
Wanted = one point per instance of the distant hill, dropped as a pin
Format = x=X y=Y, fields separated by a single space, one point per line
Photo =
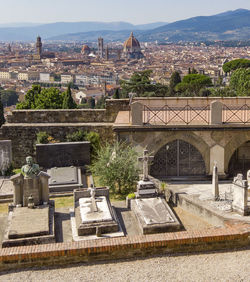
x=30 y=32
x=231 y=25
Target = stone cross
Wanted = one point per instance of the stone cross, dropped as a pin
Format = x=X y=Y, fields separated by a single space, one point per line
x=215 y=183
x=93 y=200
x=145 y=159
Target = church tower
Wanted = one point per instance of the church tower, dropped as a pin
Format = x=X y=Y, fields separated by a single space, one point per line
x=39 y=46
x=100 y=47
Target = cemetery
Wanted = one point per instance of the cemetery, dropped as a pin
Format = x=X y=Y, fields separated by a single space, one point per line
x=188 y=192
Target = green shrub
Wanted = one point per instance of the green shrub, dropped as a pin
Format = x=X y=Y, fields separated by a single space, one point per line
x=76 y=136
x=131 y=196
x=42 y=137
x=94 y=139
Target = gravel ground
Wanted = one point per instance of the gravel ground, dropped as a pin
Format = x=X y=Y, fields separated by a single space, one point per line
x=230 y=266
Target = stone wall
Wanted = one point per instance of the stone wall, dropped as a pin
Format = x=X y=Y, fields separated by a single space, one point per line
x=23 y=136
x=70 y=116
x=23 y=125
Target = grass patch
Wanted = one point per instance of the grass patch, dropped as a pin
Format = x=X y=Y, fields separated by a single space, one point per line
x=4 y=208
x=62 y=202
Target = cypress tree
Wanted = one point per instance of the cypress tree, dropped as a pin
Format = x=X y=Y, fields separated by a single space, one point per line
x=68 y=101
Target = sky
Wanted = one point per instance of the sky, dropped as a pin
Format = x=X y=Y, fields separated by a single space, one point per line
x=133 y=11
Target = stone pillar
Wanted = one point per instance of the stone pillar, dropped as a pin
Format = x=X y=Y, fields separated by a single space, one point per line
x=248 y=178
x=136 y=113
x=240 y=194
x=215 y=183
x=17 y=181
x=44 y=187
x=216 y=112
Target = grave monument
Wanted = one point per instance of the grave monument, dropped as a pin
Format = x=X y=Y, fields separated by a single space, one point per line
x=93 y=214
x=31 y=216
x=152 y=211
x=240 y=195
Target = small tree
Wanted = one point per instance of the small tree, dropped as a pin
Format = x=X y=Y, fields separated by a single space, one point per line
x=174 y=80
x=68 y=101
x=91 y=103
x=116 y=94
x=116 y=166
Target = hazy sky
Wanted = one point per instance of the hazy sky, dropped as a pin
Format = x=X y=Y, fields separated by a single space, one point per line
x=134 y=11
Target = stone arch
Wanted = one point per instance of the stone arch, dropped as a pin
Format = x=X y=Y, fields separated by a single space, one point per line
x=234 y=143
x=155 y=143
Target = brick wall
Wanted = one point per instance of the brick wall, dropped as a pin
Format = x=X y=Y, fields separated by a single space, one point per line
x=233 y=236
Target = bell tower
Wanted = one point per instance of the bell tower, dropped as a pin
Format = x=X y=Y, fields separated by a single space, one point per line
x=39 y=46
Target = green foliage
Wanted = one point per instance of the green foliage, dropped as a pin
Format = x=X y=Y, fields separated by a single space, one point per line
x=236 y=64
x=68 y=101
x=141 y=84
x=116 y=94
x=222 y=92
x=116 y=167
x=94 y=139
x=101 y=103
x=240 y=82
x=193 y=83
x=46 y=98
x=174 y=80
x=91 y=103
x=42 y=137
x=9 y=97
x=131 y=196
x=76 y=136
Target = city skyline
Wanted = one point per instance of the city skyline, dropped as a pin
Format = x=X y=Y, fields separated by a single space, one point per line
x=135 y=12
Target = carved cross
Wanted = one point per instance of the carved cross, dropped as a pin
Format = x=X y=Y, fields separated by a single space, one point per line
x=145 y=159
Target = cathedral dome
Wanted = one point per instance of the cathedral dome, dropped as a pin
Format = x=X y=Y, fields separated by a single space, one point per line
x=131 y=44
x=85 y=49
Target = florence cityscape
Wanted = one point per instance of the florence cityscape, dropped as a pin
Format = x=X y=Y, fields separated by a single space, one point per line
x=125 y=140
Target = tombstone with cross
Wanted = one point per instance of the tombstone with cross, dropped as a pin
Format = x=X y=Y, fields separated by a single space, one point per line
x=145 y=187
x=145 y=160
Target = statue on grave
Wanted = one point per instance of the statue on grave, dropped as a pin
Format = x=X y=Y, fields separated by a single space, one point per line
x=30 y=170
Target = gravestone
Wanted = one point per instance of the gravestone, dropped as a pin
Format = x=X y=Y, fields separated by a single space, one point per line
x=93 y=214
x=63 y=154
x=31 y=216
x=64 y=179
x=5 y=155
x=152 y=212
x=145 y=187
x=215 y=183
x=240 y=195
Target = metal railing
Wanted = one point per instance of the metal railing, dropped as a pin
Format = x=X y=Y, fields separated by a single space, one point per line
x=234 y=114
x=176 y=115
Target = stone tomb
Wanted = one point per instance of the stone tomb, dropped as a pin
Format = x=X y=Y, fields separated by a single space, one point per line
x=31 y=216
x=154 y=215
x=152 y=212
x=64 y=179
x=93 y=215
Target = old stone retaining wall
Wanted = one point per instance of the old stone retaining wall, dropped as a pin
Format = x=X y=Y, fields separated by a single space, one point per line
x=23 y=125
x=23 y=136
